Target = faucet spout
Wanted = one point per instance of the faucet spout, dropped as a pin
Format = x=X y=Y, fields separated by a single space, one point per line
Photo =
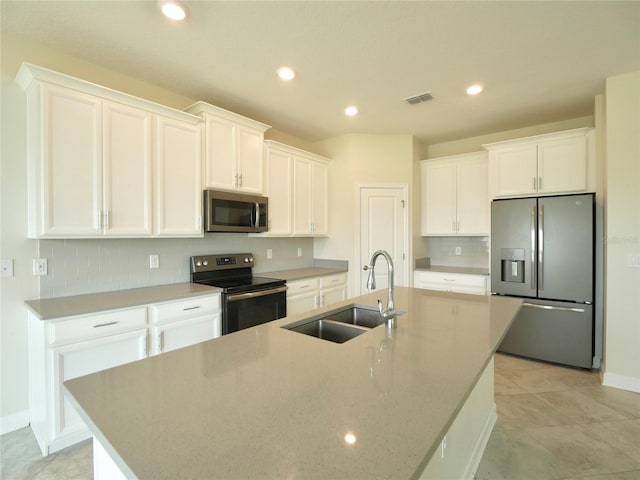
x=388 y=314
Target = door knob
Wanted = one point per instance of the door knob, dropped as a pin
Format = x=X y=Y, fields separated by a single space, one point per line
x=366 y=267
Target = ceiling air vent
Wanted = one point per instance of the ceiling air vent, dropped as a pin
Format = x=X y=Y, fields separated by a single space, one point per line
x=423 y=97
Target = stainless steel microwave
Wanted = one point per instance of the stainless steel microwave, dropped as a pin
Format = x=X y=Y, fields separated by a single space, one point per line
x=235 y=212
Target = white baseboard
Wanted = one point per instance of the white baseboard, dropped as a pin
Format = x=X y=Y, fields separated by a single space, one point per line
x=481 y=444
x=622 y=382
x=15 y=421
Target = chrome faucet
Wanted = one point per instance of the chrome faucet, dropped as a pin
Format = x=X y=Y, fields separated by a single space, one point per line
x=388 y=314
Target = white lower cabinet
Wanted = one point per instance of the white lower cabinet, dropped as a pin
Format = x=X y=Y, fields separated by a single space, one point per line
x=70 y=347
x=179 y=324
x=315 y=292
x=452 y=282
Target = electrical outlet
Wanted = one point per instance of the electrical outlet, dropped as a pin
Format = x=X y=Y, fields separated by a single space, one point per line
x=633 y=260
x=39 y=266
x=299 y=251
x=154 y=261
x=269 y=253
x=458 y=250
x=7 y=268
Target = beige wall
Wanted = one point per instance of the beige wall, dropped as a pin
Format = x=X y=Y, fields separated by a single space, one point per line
x=622 y=211
x=359 y=160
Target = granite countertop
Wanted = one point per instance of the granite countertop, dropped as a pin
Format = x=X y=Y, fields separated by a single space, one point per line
x=267 y=402
x=299 y=273
x=51 y=308
x=444 y=269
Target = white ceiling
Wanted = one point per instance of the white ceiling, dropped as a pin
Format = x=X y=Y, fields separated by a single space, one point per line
x=540 y=61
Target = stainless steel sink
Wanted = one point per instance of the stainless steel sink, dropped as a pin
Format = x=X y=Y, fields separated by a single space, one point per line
x=326 y=330
x=339 y=325
x=360 y=316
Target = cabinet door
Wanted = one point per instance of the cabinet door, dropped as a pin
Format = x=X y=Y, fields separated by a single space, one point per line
x=178 y=183
x=279 y=191
x=301 y=196
x=439 y=187
x=174 y=335
x=83 y=358
x=250 y=160
x=333 y=295
x=70 y=164
x=515 y=169
x=221 y=153
x=472 y=197
x=319 y=199
x=127 y=170
x=301 y=303
x=562 y=165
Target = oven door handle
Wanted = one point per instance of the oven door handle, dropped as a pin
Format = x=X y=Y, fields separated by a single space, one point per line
x=243 y=296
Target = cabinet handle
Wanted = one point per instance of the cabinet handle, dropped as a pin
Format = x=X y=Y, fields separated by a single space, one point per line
x=99 y=219
x=191 y=308
x=143 y=346
x=540 y=183
x=159 y=342
x=104 y=324
x=449 y=279
x=240 y=180
x=107 y=224
x=304 y=286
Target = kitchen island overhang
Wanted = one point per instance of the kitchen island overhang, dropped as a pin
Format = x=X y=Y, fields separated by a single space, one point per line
x=268 y=402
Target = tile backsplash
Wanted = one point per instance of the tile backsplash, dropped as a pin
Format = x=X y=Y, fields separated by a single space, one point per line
x=474 y=251
x=76 y=267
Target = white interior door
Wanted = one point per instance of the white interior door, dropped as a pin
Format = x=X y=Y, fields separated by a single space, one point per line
x=383 y=226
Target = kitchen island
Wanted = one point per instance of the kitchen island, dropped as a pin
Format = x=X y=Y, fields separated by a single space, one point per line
x=268 y=402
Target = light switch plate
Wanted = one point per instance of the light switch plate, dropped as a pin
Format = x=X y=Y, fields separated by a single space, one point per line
x=269 y=254
x=154 y=261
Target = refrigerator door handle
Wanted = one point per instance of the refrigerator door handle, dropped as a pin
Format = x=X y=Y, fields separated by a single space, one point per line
x=541 y=247
x=550 y=307
x=533 y=247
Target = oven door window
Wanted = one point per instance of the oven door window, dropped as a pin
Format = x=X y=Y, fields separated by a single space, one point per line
x=246 y=310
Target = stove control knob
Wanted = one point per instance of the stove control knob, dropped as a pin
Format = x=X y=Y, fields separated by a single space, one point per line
x=248 y=259
x=198 y=263
x=205 y=262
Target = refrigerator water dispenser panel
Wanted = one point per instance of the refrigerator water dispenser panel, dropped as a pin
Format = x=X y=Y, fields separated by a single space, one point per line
x=512 y=265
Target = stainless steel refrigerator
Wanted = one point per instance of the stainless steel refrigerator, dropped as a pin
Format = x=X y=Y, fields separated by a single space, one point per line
x=542 y=249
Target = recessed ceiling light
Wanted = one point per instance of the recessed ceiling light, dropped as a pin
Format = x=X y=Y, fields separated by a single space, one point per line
x=286 y=73
x=173 y=9
x=474 y=89
x=351 y=111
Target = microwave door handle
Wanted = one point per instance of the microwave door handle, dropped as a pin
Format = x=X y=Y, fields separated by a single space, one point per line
x=257 y=207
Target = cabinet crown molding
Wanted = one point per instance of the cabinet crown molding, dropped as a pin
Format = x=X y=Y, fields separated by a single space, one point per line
x=576 y=132
x=200 y=108
x=28 y=73
x=295 y=151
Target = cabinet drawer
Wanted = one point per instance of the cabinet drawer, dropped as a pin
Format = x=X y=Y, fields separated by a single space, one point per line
x=97 y=325
x=333 y=280
x=183 y=309
x=302 y=286
x=452 y=282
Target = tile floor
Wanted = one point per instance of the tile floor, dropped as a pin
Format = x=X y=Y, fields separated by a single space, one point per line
x=553 y=423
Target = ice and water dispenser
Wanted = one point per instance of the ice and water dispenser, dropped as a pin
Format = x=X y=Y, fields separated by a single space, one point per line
x=512 y=265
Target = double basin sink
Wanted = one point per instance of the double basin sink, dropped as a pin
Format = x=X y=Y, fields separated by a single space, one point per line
x=339 y=325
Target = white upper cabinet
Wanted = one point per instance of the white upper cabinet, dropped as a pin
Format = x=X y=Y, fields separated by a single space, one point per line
x=127 y=143
x=297 y=186
x=178 y=179
x=64 y=151
x=91 y=152
x=233 y=149
x=279 y=189
x=561 y=162
x=455 y=198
